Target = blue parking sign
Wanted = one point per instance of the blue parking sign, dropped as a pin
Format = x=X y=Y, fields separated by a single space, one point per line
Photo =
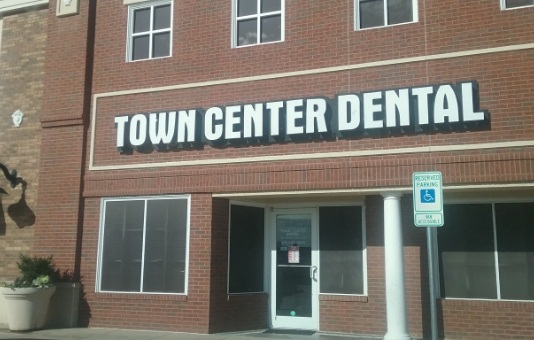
x=428 y=195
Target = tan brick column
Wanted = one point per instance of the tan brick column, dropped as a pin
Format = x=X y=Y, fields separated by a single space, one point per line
x=64 y=124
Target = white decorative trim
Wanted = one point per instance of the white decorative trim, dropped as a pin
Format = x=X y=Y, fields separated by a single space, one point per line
x=129 y=2
x=12 y=5
x=17 y=117
x=369 y=191
x=425 y=149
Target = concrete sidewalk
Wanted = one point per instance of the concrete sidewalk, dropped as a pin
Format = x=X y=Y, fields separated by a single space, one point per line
x=123 y=334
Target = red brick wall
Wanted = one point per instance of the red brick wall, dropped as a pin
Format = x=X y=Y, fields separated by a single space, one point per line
x=22 y=52
x=477 y=319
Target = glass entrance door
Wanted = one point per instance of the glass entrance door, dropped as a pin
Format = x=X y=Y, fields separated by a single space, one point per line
x=295 y=276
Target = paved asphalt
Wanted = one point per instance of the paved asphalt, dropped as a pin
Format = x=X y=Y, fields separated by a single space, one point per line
x=123 y=334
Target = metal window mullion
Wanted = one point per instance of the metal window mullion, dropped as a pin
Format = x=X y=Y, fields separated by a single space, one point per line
x=258 y=22
x=496 y=251
x=386 y=13
x=151 y=32
x=143 y=247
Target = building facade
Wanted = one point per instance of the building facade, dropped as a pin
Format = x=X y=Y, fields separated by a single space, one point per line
x=244 y=164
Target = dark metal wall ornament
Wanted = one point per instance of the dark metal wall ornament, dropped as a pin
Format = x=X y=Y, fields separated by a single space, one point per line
x=10 y=176
x=19 y=212
x=13 y=181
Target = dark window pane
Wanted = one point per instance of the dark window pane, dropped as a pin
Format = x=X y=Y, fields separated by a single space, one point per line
x=293 y=291
x=162 y=44
x=466 y=252
x=140 y=47
x=165 y=246
x=122 y=248
x=341 y=250
x=271 y=29
x=270 y=6
x=246 y=249
x=247 y=7
x=246 y=32
x=371 y=13
x=399 y=11
x=162 y=17
x=515 y=242
x=518 y=3
x=141 y=20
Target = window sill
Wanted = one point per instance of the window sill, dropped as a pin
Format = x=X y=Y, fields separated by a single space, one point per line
x=344 y=298
x=129 y=2
x=142 y=296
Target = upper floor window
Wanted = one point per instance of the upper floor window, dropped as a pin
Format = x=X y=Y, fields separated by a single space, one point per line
x=258 y=22
x=516 y=3
x=379 y=13
x=149 y=30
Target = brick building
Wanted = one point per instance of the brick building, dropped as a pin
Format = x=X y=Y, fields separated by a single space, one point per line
x=215 y=166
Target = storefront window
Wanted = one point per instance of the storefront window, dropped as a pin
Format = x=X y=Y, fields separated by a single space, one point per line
x=515 y=242
x=341 y=250
x=246 y=267
x=143 y=245
x=486 y=251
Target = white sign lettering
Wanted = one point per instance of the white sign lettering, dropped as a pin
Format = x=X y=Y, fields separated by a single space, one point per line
x=394 y=111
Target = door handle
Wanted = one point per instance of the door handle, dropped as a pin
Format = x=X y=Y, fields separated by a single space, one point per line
x=313 y=273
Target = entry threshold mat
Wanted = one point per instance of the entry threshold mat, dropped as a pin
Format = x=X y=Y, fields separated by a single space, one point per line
x=290 y=331
x=296 y=334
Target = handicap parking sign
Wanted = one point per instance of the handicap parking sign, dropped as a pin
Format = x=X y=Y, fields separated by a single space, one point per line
x=428 y=195
x=428 y=199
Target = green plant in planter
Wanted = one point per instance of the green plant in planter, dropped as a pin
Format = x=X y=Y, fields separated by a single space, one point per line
x=36 y=272
x=28 y=297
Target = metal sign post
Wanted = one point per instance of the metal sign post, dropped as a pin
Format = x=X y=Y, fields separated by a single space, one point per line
x=428 y=212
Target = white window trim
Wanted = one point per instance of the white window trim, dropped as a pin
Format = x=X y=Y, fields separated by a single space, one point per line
x=98 y=276
x=138 y=4
x=415 y=15
x=258 y=23
x=504 y=8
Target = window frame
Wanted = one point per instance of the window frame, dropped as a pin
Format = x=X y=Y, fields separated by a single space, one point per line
x=435 y=255
x=415 y=16
x=364 y=248
x=103 y=201
x=130 y=28
x=257 y=16
x=505 y=8
x=266 y=254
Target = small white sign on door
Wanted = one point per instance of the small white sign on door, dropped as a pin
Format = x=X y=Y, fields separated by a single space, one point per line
x=293 y=254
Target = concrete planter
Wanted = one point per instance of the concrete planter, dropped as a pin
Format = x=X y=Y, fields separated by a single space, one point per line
x=27 y=307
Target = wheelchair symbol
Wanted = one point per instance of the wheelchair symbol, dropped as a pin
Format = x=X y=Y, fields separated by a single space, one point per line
x=428 y=196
